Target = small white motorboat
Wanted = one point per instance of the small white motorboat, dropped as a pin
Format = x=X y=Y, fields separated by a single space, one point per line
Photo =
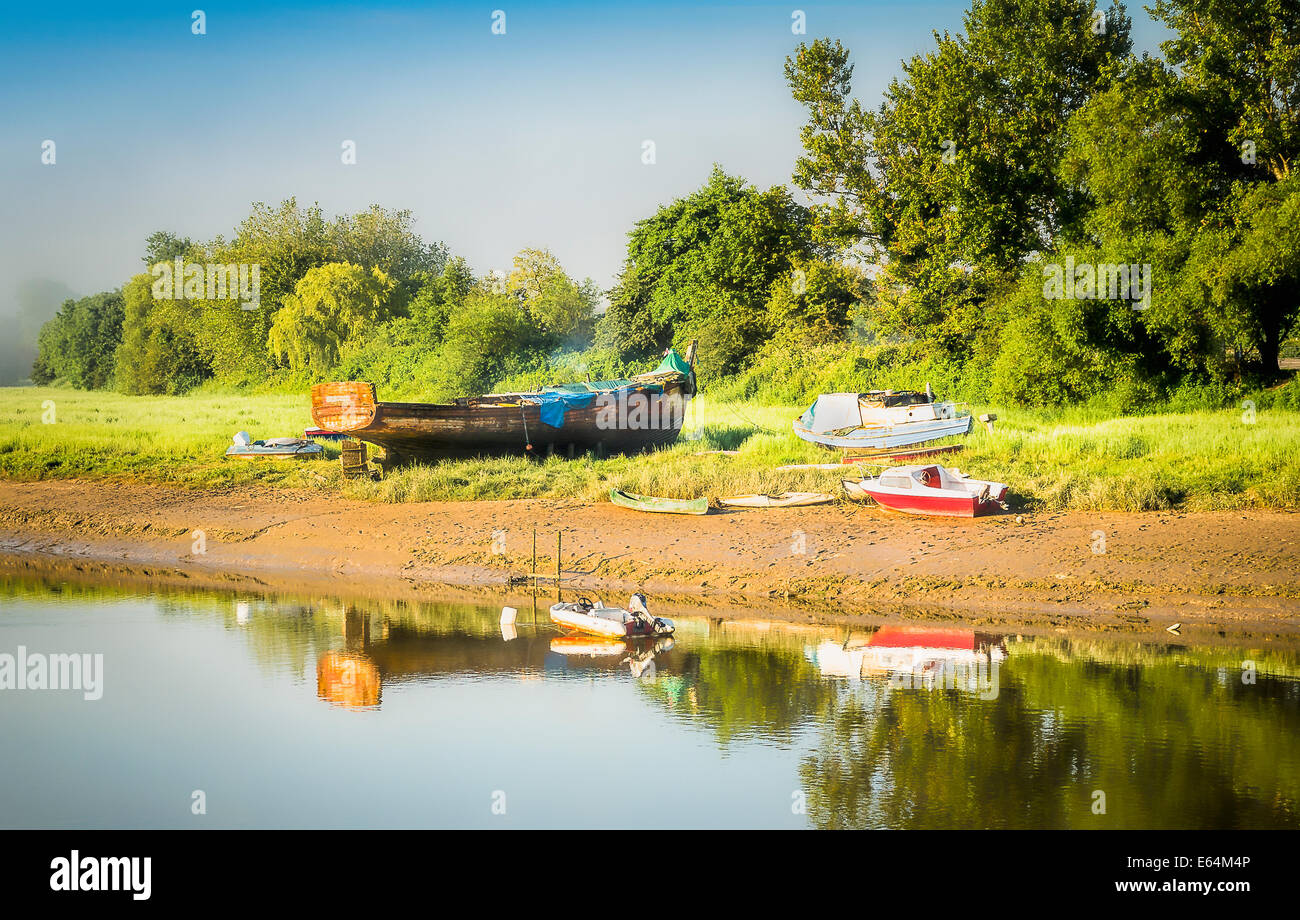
x=598 y=620
x=930 y=489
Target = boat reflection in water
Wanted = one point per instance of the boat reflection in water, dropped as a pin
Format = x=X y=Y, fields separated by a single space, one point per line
x=918 y=657
x=349 y=677
x=347 y=680
x=353 y=677
x=594 y=652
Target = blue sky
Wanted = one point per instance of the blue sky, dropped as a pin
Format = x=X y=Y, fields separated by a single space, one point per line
x=495 y=142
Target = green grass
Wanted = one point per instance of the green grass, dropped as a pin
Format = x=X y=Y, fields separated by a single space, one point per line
x=1064 y=459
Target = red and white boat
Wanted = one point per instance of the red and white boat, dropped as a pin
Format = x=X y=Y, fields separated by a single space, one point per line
x=930 y=489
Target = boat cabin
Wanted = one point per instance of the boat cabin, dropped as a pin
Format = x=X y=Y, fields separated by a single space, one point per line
x=918 y=477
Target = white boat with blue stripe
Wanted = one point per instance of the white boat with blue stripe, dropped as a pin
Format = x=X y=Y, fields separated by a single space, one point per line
x=880 y=419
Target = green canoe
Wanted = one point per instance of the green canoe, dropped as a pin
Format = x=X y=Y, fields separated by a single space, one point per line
x=668 y=505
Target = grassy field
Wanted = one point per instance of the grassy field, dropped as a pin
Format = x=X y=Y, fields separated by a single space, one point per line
x=1067 y=459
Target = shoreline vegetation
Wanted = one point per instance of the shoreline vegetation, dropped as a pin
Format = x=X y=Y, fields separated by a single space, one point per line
x=1076 y=458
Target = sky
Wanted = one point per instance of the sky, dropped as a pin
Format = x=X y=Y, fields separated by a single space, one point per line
x=496 y=142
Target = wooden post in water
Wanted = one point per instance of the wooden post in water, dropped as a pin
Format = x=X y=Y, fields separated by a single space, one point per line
x=559 y=551
x=534 y=561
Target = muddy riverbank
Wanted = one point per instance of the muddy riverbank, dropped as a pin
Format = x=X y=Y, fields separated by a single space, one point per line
x=1101 y=571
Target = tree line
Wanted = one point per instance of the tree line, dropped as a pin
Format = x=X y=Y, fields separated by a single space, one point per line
x=1032 y=213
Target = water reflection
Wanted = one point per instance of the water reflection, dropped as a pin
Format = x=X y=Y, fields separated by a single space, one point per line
x=898 y=726
x=354 y=675
x=925 y=726
x=350 y=677
x=576 y=652
x=923 y=657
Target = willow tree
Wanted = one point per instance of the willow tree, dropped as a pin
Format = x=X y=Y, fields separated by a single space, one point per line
x=331 y=305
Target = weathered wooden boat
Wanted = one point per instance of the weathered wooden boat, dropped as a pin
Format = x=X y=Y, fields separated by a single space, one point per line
x=783 y=500
x=932 y=490
x=664 y=505
x=613 y=622
x=879 y=419
x=273 y=448
x=615 y=416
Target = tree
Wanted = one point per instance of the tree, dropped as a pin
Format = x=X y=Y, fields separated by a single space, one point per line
x=332 y=304
x=434 y=301
x=1187 y=167
x=1247 y=268
x=77 y=346
x=954 y=181
x=164 y=246
x=285 y=242
x=703 y=267
x=486 y=339
x=36 y=301
x=382 y=239
x=159 y=352
x=560 y=309
x=1242 y=61
x=816 y=300
x=836 y=165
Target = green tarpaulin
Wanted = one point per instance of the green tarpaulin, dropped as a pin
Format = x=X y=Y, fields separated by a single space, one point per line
x=673 y=362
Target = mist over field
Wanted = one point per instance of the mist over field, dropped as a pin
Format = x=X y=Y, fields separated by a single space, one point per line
x=31 y=305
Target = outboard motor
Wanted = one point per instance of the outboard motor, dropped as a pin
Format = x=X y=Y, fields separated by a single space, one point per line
x=636 y=606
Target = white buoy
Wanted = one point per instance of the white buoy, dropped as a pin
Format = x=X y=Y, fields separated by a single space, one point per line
x=242 y=612
x=508 y=615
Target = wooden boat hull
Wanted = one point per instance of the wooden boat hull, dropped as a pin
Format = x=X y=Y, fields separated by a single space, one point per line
x=662 y=505
x=429 y=431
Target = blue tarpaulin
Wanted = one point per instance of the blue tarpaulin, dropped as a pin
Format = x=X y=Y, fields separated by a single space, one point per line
x=554 y=405
x=554 y=401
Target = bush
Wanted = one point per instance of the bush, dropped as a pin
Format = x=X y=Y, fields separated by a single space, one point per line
x=78 y=344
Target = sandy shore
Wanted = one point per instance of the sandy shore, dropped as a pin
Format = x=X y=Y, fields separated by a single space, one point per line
x=1233 y=571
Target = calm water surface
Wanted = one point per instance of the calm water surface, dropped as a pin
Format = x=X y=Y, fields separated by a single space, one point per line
x=312 y=712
